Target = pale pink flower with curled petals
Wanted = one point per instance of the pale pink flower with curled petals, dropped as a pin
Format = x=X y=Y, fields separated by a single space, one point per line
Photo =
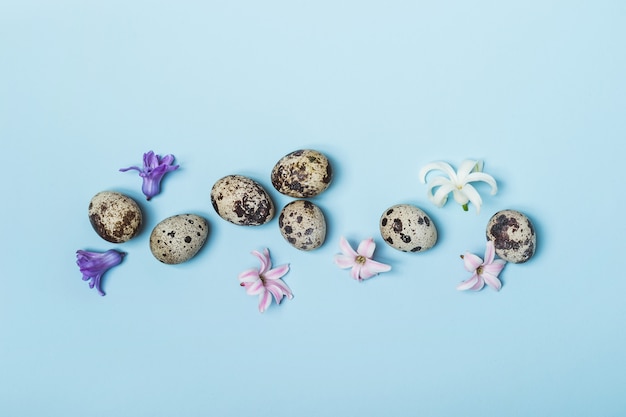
x=266 y=281
x=361 y=262
x=483 y=272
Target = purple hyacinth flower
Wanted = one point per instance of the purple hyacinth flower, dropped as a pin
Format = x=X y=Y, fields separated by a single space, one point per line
x=94 y=264
x=154 y=168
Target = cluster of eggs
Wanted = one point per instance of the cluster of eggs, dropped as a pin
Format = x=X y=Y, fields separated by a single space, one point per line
x=409 y=229
x=301 y=174
x=117 y=218
x=237 y=199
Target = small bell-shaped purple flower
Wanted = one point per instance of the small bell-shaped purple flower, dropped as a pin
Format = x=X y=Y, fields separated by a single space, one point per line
x=94 y=264
x=154 y=169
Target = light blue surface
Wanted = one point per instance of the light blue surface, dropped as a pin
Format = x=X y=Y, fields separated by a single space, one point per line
x=537 y=89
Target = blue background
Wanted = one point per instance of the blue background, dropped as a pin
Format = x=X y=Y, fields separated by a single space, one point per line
x=536 y=89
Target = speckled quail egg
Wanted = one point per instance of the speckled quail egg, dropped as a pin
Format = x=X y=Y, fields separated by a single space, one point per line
x=242 y=201
x=301 y=174
x=513 y=236
x=178 y=238
x=303 y=225
x=114 y=216
x=408 y=228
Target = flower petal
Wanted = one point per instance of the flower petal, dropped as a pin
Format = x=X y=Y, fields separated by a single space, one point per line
x=150 y=160
x=492 y=281
x=154 y=168
x=490 y=252
x=459 y=196
x=465 y=168
x=157 y=172
x=441 y=195
x=279 y=285
x=372 y=268
x=346 y=248
x=495 y=267
x=97 y=262
x=473 y=196
x=344 y=261
x=471 y=262
x=255 y=287
x=167 y=160
x=366 y=248
x=266 y=254
x=355 y=273
x=277 y=272
x=479 y=285
x=365 y=273
x=276 y=292
x=93 y=265
x=481 y=176
x=264 y=258
x=438 y=166
x=265 y=299
x=438 y=181
x=129 y=168
x=249 y=276
x=474 y=283
x=151 y=185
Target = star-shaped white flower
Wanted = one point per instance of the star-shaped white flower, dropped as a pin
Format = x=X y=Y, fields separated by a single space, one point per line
x=457 y=183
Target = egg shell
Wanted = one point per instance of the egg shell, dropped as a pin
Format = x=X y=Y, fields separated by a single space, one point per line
x=242 y=201
x=302 y=174
x=178 y=238
x=303 y=225
x=513 y=236
x=114 y=216
x=408 y=228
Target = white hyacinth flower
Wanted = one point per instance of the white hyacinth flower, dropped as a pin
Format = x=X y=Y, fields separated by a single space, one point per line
x=457 y=183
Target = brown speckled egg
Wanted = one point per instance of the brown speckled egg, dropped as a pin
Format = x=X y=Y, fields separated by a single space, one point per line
x=302 y=174
x=303 y=225
x=242 y=201
x=178 y=238
x=114 y=216
x=407 y=228
x=513 y=236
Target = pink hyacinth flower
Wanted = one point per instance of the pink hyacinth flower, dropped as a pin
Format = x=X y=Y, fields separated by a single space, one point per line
x=361 y=262
x=266 y=282
x=483 y=272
